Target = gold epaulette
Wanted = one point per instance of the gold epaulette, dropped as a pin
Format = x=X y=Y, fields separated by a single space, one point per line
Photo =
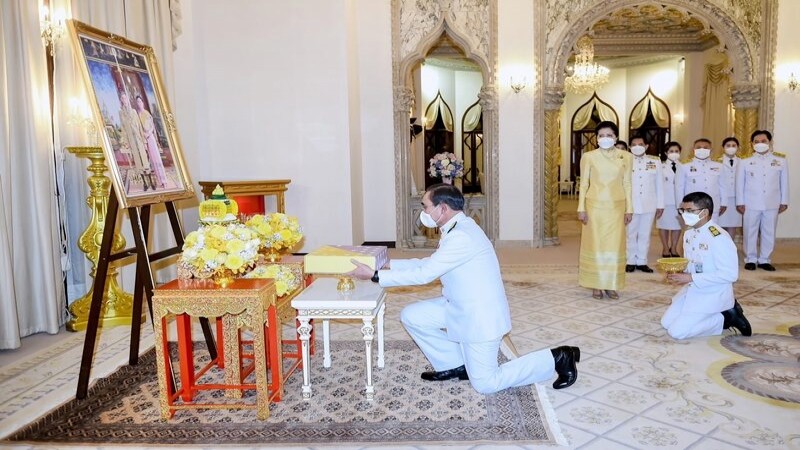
x=717 y=159
x=779 y=154
x=714 y=231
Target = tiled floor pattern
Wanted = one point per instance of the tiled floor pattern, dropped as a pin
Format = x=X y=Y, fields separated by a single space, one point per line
x=637 y=387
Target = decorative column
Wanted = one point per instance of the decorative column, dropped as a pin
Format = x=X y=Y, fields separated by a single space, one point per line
x=406 y=226
x=553 y=99
x=746 y=99
x=117 y=304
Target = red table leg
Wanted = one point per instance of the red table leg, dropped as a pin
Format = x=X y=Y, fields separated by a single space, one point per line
x=186 y=356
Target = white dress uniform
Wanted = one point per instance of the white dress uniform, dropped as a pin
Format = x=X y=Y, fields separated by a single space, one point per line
x=648 y=195
x=703 y=175
x=714 y=265
x=762 y=185
x=669 y=219
x=731 y=218
x=466 y=324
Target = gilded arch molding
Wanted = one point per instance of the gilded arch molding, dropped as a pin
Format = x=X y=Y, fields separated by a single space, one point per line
x=416 y=27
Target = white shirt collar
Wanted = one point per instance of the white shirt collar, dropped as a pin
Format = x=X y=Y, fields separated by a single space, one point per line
x=450 y=224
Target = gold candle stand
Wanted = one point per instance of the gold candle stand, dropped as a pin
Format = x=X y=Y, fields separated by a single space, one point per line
x=117 y=304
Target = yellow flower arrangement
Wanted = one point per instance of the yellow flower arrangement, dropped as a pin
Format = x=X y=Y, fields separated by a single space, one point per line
x=285 y=279
x=277 y=231
x=213 y=248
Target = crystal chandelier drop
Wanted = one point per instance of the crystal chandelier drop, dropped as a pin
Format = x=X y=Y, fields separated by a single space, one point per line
x=585 y=75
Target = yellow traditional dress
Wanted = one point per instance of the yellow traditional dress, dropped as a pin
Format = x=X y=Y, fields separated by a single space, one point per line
x=605 y=196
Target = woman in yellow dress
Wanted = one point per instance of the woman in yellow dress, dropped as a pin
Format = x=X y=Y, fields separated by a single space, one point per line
x=604 y=208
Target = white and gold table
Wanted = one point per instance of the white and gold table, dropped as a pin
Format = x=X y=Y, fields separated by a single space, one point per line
x=322 y=301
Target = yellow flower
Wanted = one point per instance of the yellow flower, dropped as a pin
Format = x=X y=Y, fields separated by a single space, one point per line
x=208 y=254
x=234 y=246
x=217 y=232
x=234 y=262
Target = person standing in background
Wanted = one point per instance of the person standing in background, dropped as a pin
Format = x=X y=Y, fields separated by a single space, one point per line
x=605 y=208
x=701 y=174
x=732 y=219
x=762 y=192
x=646 y=187
x=669 y=225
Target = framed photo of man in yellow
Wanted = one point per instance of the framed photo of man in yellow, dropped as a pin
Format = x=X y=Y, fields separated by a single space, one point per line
x=137 y=128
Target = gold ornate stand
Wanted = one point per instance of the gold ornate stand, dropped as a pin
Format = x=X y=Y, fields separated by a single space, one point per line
x=117 y=304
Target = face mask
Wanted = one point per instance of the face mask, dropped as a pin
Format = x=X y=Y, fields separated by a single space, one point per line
x=606 y=142
x=690 y=218
x=702 y=153
x=730 y=151
x=673 y=156
x=761 y=147
x=638 y=150
x=427 y=220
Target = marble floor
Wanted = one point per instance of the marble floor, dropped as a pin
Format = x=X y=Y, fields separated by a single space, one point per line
x=637 y=387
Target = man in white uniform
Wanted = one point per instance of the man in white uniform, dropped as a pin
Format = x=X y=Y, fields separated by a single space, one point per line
x=732 y=219
x=762 y=192
x=705 y=305
x=648 y=205
x=461 y=331
x=701 y=174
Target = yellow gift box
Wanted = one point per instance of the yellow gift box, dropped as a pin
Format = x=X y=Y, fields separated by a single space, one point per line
x=335 y=259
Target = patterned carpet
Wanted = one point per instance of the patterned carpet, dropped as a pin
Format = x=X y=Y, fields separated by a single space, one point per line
x=123 y=409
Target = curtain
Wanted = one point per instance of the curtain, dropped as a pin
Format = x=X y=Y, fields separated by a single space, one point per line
x=584 y=113
x=472 y=117
x=716 y=104
x=149 y=22
x=436 y=108
x=656 y=106
x=33 y=297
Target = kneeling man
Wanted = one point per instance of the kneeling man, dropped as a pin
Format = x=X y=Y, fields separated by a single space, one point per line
x=705 y=305
x=460 y=332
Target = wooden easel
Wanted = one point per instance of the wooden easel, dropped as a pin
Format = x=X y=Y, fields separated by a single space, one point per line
x=144 y=283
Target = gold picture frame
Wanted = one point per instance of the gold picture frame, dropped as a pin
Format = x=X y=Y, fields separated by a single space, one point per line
x=134 y=121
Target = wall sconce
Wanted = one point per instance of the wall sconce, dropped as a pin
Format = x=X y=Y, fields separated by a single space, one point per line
x=52 y=28
x=793 y=84
x=679 y=117
x=518 y=85
x=80 y=116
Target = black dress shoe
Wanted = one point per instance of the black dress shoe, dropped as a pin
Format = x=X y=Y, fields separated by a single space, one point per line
x=750 y=266
x=565 y=358
x=629 y=268
x=735 y=318
x=644 y=269
x=459 y=372
x=767 y=266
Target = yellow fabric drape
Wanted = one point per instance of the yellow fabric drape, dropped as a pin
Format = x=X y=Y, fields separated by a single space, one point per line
x=438 y=107
x=716 y=104
x=472 y=117
x=584 y=113
x=658 y=108
x=605 y=196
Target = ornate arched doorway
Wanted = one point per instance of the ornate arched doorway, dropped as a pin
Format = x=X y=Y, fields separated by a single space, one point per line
x=416 y=28
x=737 y=25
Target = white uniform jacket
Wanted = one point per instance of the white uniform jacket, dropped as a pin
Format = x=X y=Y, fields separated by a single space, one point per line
x=668 y=183
x=646 y=187
x=762 y=181
x=714 y=265
x=702 y=175
x=730 y=173
x=477 y=308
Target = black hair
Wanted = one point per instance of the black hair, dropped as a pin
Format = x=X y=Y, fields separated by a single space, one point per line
x=447 y=194
x=621 y=142
x=706 y=140
x=764 y=132
x=638 y=136
x=701 y=200
x=607 y=124
x=666 y=149
x=730 y=139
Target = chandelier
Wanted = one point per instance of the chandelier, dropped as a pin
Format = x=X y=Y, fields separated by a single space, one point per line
x=585 y=75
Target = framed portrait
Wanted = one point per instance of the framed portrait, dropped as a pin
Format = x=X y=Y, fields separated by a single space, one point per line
x=132 y=114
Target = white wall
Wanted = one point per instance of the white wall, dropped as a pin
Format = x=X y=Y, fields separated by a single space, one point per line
x=515 y=58
x=270 y=102
x=787 y=110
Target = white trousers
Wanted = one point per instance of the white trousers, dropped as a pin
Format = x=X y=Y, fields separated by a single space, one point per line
x=682 y=324
x=638 y=238
x=425 y=322
x=755 y=223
